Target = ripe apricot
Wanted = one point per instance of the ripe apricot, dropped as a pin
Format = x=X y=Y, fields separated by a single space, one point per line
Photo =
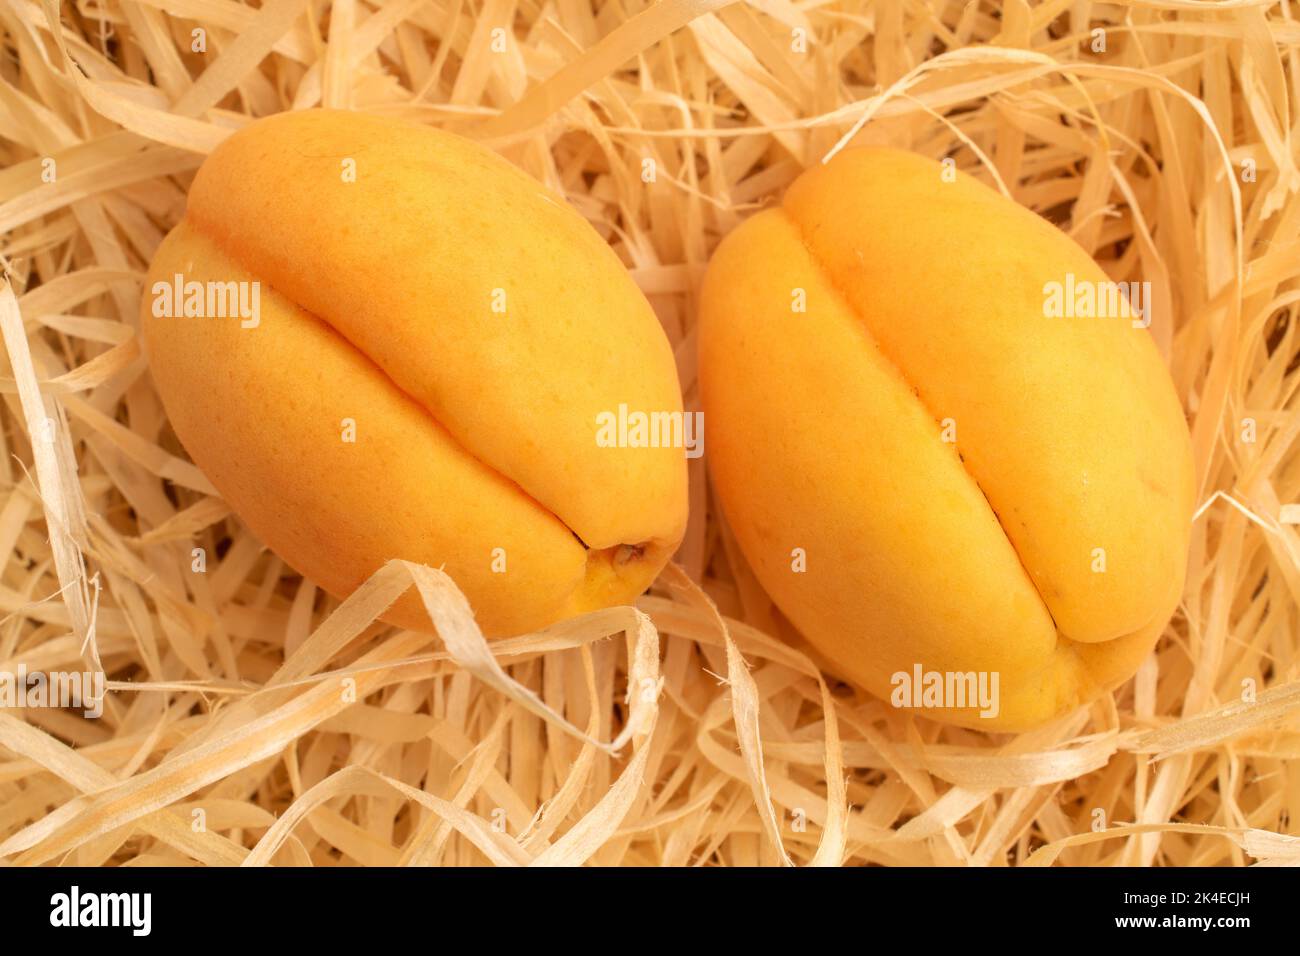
x=437 y=337
x=926 y=461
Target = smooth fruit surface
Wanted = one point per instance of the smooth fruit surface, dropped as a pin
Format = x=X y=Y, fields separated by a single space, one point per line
x=469 y=326
x=924 y=468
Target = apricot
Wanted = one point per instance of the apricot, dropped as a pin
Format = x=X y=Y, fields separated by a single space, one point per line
x=436 y=337
x=932 y=467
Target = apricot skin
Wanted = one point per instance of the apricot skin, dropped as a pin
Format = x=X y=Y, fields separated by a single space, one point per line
x=924 y=302
x=475 y=429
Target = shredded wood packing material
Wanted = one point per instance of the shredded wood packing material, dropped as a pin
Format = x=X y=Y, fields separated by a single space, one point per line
x=251 y=719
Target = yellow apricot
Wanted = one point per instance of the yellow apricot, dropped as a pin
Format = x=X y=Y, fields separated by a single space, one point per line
x=437 y=337
x=930 y=468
